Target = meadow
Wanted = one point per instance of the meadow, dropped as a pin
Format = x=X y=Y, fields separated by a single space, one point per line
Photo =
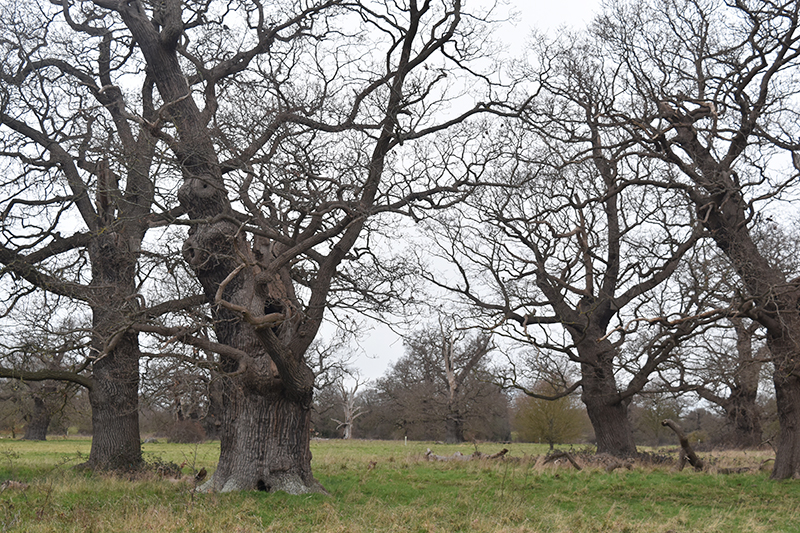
x=391 y=486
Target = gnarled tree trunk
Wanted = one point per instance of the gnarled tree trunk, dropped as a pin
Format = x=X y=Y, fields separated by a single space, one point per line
x=264 y=440
x=267 y=391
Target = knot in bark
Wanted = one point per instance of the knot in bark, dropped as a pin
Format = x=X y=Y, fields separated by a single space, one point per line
x=202 y=196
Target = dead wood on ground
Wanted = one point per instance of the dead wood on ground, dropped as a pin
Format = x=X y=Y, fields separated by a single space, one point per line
x=563 y=455
x=458 y=456
x=686 y=449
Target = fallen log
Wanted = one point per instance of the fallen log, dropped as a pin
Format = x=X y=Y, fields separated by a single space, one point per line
x=458 y=456
x=498 y=455
x=686 y=449
x=563 y=455
x=13 y=485
x=764 y=463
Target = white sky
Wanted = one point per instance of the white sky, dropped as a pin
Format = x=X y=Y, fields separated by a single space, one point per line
x=381 y=346
x=552 y=14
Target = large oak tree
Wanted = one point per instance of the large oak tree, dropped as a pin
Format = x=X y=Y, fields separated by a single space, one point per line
x=293 y=123
x=561 y=251
x=79 y=195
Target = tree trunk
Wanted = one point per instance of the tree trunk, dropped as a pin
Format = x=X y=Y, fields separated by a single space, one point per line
x=265 y=412
x=776 y=301
x=39 y=420
x=741 y=410
x=607 y=411
x=742 y=416
x=454 y=427
x=264 y=441
x=114 y=395
x=727 y=216
x=612 y=429
x=266 y=401
x=348 y=431
x=787 y=396
x=114 y=398
x=265 y=427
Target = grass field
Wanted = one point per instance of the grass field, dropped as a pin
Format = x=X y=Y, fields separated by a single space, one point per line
x=388 y=486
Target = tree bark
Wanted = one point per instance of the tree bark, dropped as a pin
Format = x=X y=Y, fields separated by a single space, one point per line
x=787 y=396
x=114 y=395
x=114 y=398
x=265 y=439
x=39 y=420
x=607 y=410
x=610 y=422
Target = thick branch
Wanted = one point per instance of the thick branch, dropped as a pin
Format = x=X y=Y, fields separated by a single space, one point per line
x=42 y=375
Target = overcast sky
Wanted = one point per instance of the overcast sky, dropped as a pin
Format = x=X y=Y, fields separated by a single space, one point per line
x=552 y=14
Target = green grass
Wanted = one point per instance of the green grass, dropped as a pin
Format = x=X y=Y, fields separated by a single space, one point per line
x=400 y=492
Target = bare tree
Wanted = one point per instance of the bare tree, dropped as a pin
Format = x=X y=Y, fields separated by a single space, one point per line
x=738 y=370
x=458 y=367
x=441 y=388
x=348 y=401
x=291 y=128
x=718 y=103
x=561 y=252
x=78 y=198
